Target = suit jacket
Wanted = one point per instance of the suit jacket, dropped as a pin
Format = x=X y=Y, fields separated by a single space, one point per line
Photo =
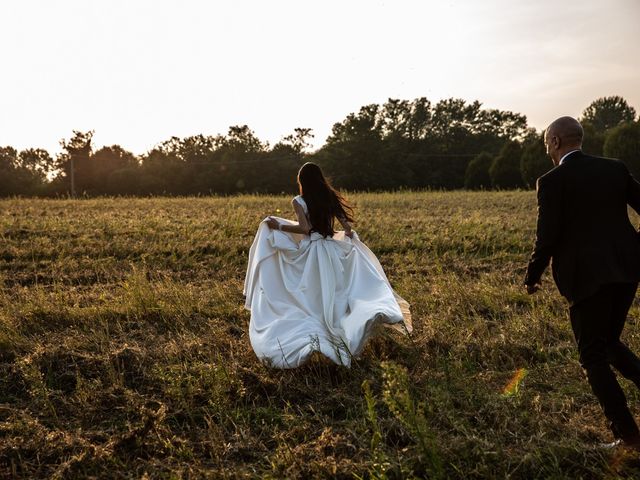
x=584 y=228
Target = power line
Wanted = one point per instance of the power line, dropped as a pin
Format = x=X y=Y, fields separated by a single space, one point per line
x=429 y=155
x=267 y=159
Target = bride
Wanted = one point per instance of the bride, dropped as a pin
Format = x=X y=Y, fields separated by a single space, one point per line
x=310 y=288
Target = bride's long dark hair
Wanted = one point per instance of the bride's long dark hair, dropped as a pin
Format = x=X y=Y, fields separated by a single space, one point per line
x=324 y=202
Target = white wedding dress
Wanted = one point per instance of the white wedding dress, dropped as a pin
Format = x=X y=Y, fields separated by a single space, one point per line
x=309 y=293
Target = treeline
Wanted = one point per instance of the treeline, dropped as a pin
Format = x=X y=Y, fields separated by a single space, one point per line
x=400 y=144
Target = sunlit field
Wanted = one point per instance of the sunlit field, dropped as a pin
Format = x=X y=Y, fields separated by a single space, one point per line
x=124 y=350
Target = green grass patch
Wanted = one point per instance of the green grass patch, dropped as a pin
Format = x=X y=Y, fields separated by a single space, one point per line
x=124 y=349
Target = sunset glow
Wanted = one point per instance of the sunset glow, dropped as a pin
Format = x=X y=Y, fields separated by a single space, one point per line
x=140 y=72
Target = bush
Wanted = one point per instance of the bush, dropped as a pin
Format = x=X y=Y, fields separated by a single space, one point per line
x=534 y=162
x=505 y=169
x=593 y=141
x=477 y=175
x=623 y=142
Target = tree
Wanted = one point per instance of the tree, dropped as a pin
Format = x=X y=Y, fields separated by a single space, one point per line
x=194 y=149
x=505 y=169
x=75 y=162
x=353 y=153
x=477 y=175
x=401 y=143
x=500 y=123
x=454 y=114
x=38 y=161
x=593 y=141
x=22 y=173
x=104 y=163
x=279 y=166
x=8 y=178
x=161 y=173
x=242 y=154
x=242 y=139
x=124 y=181
x=415 y=143
x=299 y=140
x=623 y=142
x=8 y=158
x=534 y=161
x=608 y=112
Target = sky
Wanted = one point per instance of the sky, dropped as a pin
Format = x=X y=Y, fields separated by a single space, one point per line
x=138 y=72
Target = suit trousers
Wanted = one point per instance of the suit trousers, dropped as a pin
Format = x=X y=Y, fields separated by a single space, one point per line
x=597 y=324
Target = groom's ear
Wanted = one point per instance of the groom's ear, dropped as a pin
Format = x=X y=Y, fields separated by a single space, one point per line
x=555 y=142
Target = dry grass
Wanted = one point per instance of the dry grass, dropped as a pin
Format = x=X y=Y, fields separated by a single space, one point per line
x=124 y=350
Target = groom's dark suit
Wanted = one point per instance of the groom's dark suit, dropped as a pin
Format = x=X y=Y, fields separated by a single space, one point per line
x=584 y=229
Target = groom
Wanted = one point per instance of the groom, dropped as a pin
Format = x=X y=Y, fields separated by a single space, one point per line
x=584 y=230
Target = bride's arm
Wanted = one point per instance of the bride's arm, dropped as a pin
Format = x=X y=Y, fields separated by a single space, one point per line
x=303 y=226
x=346 y=225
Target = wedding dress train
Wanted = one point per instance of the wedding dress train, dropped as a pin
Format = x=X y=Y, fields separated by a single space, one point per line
x=309 y=293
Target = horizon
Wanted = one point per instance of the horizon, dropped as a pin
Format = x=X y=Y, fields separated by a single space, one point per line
x=138 y=74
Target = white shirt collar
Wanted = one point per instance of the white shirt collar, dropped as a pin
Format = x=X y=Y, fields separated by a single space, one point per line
x=566 y=155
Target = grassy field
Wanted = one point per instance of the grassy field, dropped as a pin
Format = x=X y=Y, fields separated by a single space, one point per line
x=124 y=350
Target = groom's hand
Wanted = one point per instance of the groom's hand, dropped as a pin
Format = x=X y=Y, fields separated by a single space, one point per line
x=531 y=289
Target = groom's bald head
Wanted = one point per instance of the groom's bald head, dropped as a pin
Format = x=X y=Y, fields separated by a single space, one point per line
x=567 y=128
x=563 y=135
